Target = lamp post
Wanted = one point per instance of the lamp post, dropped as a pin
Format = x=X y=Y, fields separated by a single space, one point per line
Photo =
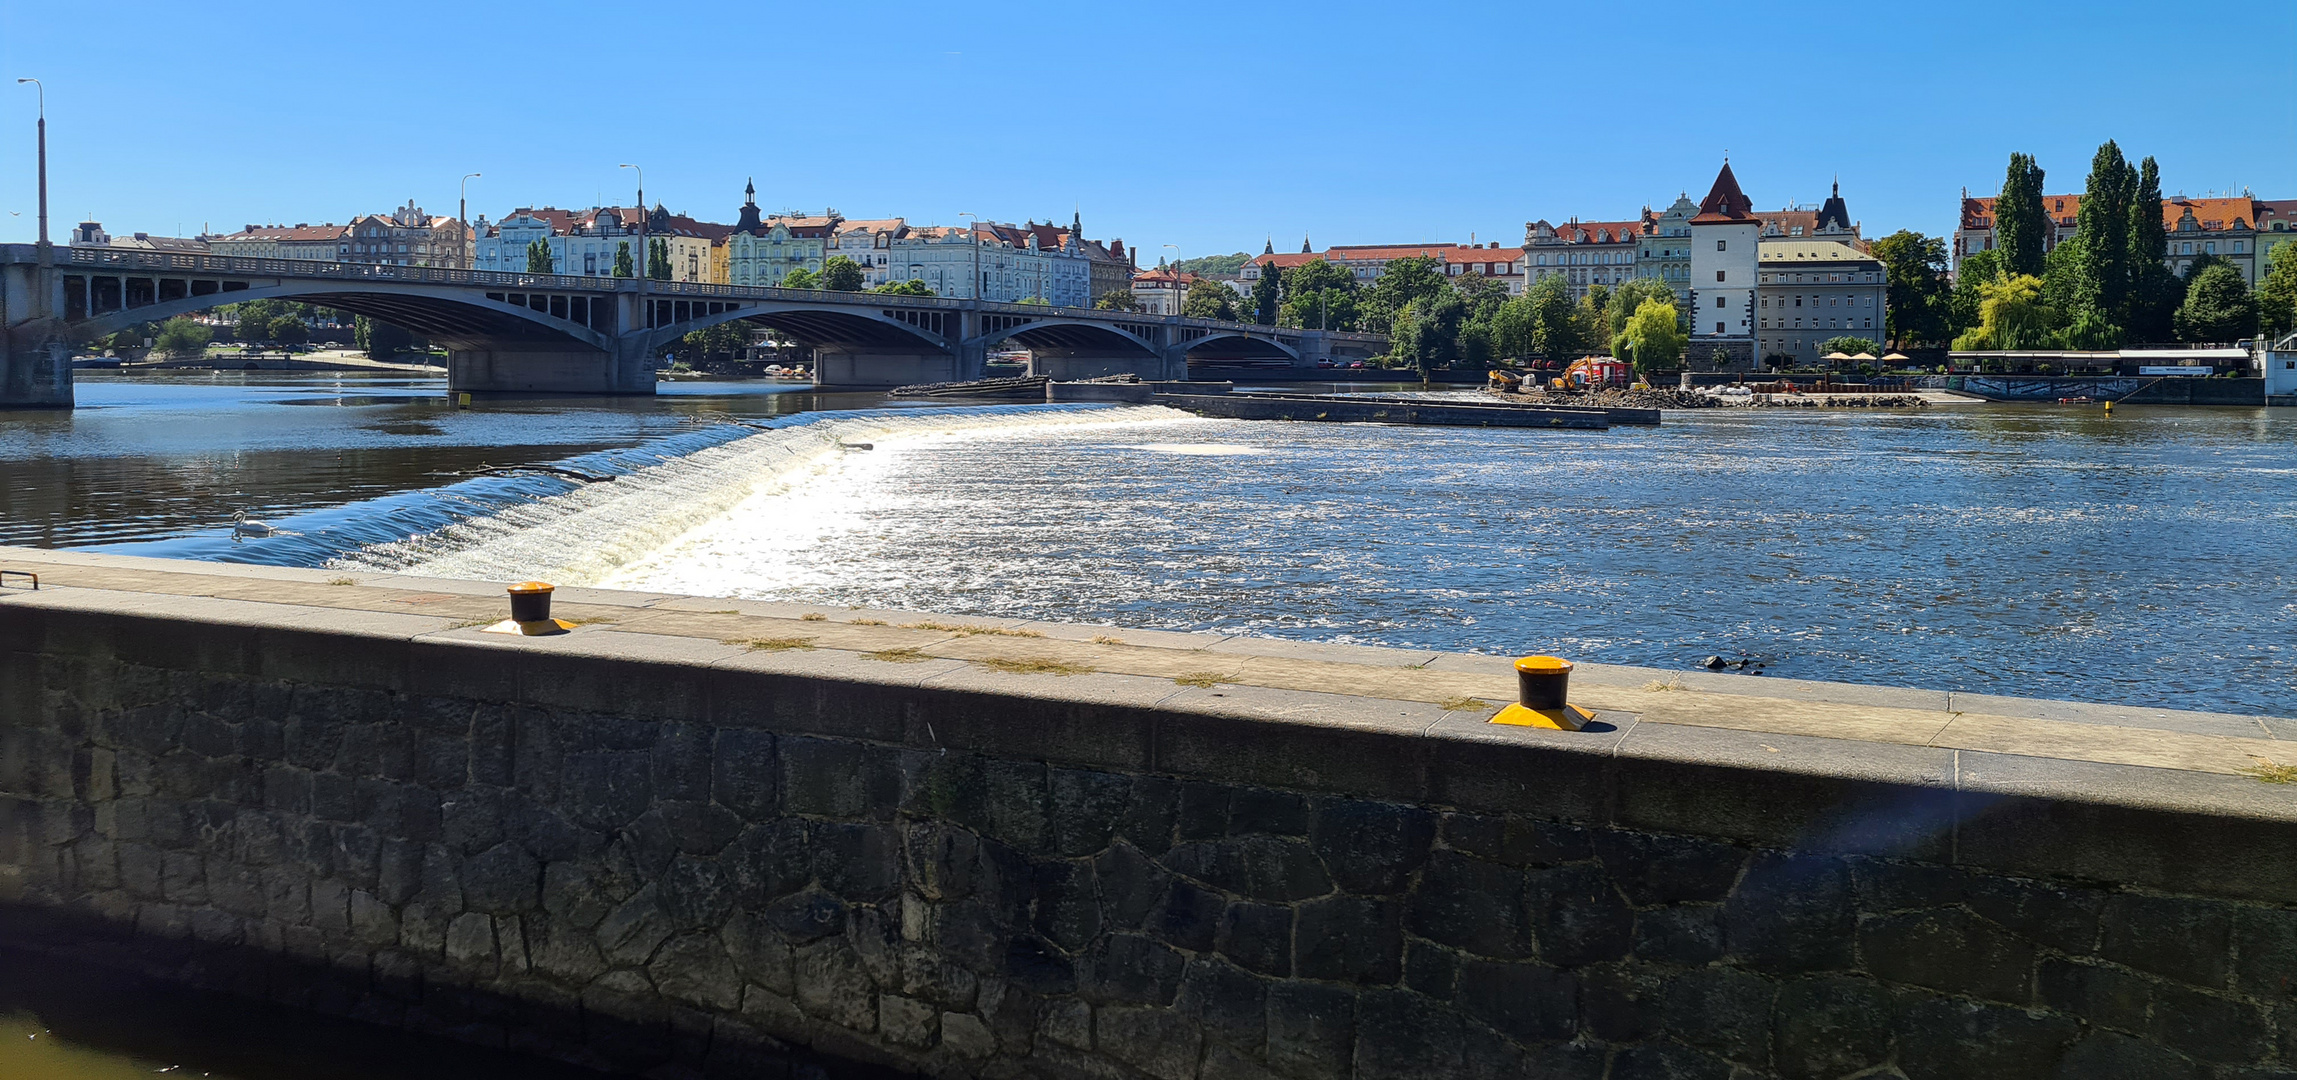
x=1176 y=293
x=45 y=256
x=463 y=216
x=973 y=233
x=646 y=258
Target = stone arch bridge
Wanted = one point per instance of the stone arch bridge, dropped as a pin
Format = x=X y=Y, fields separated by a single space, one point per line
x=554 y=333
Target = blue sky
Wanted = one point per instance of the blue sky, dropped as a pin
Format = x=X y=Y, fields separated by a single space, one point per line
x=1203 y=126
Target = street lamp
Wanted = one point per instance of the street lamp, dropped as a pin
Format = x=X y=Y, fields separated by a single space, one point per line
x=463 y=216
x=973 y=233
x=1175 y=270
x=646 y=266
x=42 y=90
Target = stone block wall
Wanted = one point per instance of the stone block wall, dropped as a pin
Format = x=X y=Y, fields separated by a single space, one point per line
x=704 y=867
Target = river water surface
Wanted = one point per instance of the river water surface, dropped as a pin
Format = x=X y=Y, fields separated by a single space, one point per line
x=2036 y=550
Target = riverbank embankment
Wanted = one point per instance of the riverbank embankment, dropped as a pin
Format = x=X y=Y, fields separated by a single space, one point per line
x=694 y=831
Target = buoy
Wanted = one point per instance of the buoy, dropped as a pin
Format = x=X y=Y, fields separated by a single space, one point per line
x=2109 y=408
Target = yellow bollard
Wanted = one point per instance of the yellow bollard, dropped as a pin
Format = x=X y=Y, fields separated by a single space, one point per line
x=463 y=400
x=2109 y=408
x=530 y=612
x=1542 y=684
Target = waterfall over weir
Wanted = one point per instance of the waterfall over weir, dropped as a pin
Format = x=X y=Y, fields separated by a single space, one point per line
x=624 y=531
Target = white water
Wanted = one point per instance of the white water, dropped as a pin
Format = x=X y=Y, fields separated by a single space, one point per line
x=673 y=526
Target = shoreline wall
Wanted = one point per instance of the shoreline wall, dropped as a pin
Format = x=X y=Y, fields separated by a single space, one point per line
x=636 y=851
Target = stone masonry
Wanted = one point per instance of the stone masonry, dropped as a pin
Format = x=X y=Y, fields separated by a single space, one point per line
x=703 y=868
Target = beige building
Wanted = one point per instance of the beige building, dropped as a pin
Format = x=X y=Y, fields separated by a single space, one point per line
x=2233 y=229
x=407 y=237
x=316 y=243
x=1811 y=290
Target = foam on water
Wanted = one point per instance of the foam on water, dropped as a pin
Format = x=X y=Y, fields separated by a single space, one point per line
x=647 y=525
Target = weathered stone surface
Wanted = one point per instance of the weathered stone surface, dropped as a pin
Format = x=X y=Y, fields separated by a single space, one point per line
x=694 y=968
x=2107 y=1055
x=1471 y=904
x=1155 y=1041
x=832 y=986
x=1576 y=916
x=1791 y=913
x=1230 y=1004
x=967 y=1036
x=2176 y=938
x=1829 y=1026
x=1400 y=1035
x=1130 y=968
x=1526 y=1002
x=907 y=1021
x=1668 y=870
x=1349 y=939
x=2266 y=942
x=1311 y=1029
x=1948 y=1039
x=1687 y=934
x=1722 y=1011
x=2208 y=1027
x=1949 y=950
x=1667 y=1061
x=2104 y=995
x=1257 y=937
x=1256 y=867
x=1085 y=809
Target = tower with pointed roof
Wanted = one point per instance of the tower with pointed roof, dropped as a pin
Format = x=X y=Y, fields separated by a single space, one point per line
x=1726 y=254
x=1835 y=215
x=1304 y=248
x=750 y=222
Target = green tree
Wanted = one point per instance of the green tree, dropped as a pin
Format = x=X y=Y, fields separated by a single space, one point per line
x=1594 y=317
x=658 y=259
x=180 y=336
x=1034 y=301
x=1483 y=295
x=539 y=259
x=1850 y=346
x=2021 y=225
x=840 y=274
x=290 y=330
x=1209 y=299
x=1511 y=329
x=2011 y=315
x=912 y=287
x=379 y=339
x=1268 y=296
x=1425 y=336
x=251 y=320
x=1213 y=264
x=1319 y=295
x=2102 y=271
x=623 y=266
x=2277 y=294
x=1117 y=300
x=1978 y=269
x=1400 y=282
x=2155 y=292
x=2217 y=307
x=1627 y=301
x=1652 y=338
x=1555 y=328
x=723 y=340
x=801 y=278
x=1916 y=305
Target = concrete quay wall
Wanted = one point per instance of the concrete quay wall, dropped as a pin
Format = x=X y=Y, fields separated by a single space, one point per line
x=696 y=832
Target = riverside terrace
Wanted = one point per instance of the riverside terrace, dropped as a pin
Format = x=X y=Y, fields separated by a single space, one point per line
x=693 y=832
x=569 y=334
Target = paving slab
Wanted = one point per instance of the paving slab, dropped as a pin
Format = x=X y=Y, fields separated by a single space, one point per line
x=2127 y=716
x=2027 y=737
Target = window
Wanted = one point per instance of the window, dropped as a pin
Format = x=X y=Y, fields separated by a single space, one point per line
x=1720 y=245
x=1718 y=326
x=2237 y=247
x=2185 y=248
x=2209 y=248
x=1718 y=301
x=1718 y=275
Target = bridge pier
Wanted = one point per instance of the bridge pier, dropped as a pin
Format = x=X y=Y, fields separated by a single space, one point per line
x=549 y=370
x=884 y=368
x=1071 y=365
x=35 y=358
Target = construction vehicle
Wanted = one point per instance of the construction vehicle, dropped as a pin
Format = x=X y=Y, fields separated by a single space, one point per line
x=1594 y=373
x=1504 y=381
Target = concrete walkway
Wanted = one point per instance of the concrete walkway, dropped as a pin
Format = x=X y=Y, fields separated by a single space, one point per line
x=2070 y=750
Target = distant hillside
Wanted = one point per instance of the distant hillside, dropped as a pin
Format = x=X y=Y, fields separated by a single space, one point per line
x=1215 y=264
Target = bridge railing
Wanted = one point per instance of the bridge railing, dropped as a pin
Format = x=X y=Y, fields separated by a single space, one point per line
x=135 y=260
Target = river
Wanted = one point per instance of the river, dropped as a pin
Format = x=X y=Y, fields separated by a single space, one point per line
x=2039 y=550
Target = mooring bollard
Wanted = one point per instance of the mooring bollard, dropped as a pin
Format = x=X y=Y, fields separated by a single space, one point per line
x=530 y=612
x=1542 y=696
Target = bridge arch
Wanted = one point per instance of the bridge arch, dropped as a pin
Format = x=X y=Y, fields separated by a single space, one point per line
x=450 y=315
x=1066 y=333
x=823 y=324
x=1245 y=345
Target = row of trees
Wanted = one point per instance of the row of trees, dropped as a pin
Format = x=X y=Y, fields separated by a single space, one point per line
x=1437 y=321
x=2106 y=286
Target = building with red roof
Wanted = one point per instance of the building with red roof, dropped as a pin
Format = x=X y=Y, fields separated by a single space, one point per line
x=2235 y=229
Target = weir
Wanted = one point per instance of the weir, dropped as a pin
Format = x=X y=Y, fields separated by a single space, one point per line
x=694 y=831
